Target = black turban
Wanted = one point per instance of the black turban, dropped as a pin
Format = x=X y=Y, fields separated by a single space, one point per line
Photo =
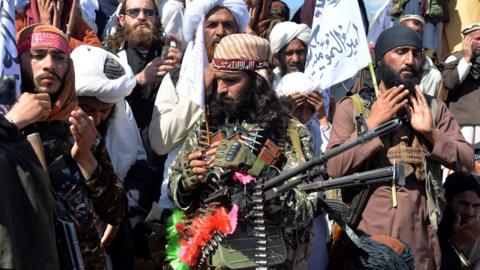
x=457 y=183
x=394 y=37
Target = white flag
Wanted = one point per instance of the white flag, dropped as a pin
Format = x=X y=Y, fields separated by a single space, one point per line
x=338 y=47
x=8 y=49
x=191 y=83
x=378 y=13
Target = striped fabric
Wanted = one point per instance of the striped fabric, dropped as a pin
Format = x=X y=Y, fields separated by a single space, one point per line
x=243 y=48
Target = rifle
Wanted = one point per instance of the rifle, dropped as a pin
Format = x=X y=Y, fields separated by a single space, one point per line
x=387 y=174
x=322 y=159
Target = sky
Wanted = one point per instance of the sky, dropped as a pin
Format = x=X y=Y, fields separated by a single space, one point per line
x=293 y=4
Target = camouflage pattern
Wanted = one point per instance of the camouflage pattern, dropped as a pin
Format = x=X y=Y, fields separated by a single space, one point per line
x=294 y=210
x=78 y=200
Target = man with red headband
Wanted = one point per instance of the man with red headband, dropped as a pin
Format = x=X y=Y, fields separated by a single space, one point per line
x=85 y=188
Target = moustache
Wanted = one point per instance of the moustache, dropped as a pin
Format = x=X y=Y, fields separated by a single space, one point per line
x=216 y=40
x=409 y=69
x=45 y=75
x=147 y=25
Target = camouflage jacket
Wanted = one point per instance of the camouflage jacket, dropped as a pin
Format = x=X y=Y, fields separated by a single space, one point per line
x=295 y=208
x=79 y=200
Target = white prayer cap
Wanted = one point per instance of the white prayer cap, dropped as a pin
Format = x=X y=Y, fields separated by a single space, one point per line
x=470 y=28
x=412 y=17
x=101 y=74
x=296 y=82
x=197 y=10
x=284 y=32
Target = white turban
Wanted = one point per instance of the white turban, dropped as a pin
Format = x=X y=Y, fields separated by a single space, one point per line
x=197 y=10
x=191 y=83
x=285 y=32
x=296 y=82
x=123 y=141
x=90 y=65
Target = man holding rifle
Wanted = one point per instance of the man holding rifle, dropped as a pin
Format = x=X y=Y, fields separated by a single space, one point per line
x=430 y=137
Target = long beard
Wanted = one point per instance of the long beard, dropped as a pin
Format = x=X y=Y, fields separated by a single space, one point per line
x=143 y=38
x=219 y=112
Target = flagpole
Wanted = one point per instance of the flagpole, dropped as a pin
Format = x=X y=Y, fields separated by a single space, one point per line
x=374 y=80
x=71 y=19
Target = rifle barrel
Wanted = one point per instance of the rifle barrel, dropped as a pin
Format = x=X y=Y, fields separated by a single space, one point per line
x=368 y=177
x=362 y=138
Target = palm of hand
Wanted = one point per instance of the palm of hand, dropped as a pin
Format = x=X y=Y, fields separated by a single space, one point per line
x=421 y=120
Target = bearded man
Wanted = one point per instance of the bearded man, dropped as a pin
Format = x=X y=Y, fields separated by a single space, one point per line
x=461 y=75
x=243 y=112
x=430 y=137
x=81 y=175
x=139 y=42
x=289 y=44
x=179 y=106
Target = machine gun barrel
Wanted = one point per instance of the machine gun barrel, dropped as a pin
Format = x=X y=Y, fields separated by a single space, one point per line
x=362 y=138
x=387 y=174
x=393 y=173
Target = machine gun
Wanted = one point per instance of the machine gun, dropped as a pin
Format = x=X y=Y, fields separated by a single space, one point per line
x=267 y=189
x=270 y=187
x=388 y=174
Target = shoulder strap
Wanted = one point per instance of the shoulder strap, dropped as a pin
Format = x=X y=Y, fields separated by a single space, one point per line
x=295 y=138
x=432 y=101
x=358 y=106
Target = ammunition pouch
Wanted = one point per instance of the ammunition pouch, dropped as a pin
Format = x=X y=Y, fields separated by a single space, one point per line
x=412 y=158
x=239 y=250
x=233 y=155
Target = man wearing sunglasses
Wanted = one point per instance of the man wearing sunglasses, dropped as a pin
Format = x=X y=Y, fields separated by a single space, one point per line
x=139 y=42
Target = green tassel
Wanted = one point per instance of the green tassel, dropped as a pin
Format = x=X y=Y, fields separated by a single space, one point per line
x=173 y=241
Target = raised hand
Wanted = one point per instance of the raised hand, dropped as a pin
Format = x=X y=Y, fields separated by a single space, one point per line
x=315 y=99
x=467 y=48
x=465 y=234
x=294 y=100
x=30 y=108
x=45 y=10
x=387 y=105
x=57 y=13
x=174 y=53
x=155 y=70
x=84 y=133
x=419 y=115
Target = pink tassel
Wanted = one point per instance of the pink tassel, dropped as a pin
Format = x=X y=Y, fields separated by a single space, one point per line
x=243 y=178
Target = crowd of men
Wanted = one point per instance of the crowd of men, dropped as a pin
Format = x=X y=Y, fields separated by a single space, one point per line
x=146 y=139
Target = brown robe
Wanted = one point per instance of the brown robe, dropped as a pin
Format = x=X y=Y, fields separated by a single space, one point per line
x=463 y=97
x=409 y=220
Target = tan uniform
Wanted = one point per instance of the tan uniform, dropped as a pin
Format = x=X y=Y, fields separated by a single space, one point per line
x=409 y=221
